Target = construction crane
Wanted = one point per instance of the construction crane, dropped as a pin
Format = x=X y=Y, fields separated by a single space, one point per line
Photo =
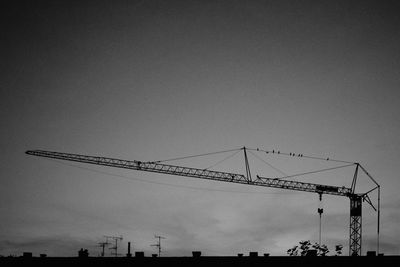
x=356 y=199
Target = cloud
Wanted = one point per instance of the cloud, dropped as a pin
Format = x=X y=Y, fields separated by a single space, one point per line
x=233 y=226
x=55 y=245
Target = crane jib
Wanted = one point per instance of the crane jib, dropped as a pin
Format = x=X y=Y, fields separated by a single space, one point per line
x=195 y=172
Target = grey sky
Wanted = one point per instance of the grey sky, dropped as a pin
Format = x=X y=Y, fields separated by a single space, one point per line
x=149 y=80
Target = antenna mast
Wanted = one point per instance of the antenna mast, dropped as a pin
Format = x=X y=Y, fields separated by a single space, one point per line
x=115 y=247
x=158 y=245
x=103 y=245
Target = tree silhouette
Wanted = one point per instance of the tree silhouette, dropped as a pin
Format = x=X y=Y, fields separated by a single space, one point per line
x=338 y=250
x=305 y=246
x=322 y=250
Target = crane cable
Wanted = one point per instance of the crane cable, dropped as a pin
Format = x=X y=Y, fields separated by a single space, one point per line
x=226 y=158
x=278 y=152
x=129 y=178
x=317 y=171
x=199 y=155
x=270 y=165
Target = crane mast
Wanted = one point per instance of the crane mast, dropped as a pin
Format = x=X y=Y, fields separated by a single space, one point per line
x=157 y=167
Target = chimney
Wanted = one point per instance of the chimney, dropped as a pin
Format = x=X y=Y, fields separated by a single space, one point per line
x=253 y=254
x=27 y=255
x=129 y=250
x=196 y=254
x=371 y=253
x=139 y=254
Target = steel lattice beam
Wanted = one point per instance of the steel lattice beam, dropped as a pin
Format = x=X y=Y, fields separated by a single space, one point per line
x=195 y=173
x=355 y=225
